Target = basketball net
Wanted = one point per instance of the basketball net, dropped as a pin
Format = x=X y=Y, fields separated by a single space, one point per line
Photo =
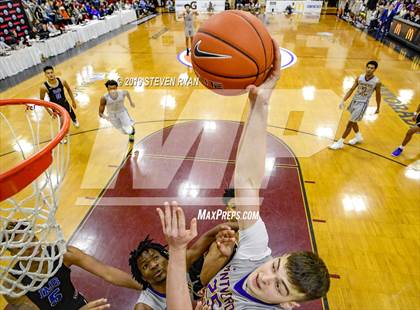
x=32 y=244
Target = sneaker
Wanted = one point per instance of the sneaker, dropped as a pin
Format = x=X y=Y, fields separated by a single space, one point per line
x=355 y=140
x=337 y=145
x=131 y=138
x=76 y=124
x=397 y=152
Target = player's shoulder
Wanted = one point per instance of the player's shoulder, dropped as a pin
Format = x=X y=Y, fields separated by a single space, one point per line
x=61 y=80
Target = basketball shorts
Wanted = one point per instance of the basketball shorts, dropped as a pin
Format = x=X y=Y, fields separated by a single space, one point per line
x=121 y=121
x=189 y=32
x=357 y=110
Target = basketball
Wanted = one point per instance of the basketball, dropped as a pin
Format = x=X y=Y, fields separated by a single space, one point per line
x=227 y=60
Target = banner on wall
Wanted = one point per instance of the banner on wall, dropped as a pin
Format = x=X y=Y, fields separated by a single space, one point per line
x=12 y=17
x=306 y=7
x=200 y=5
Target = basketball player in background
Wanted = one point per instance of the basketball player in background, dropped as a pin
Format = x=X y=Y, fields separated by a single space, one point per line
x=188 y=16
x=54 y=86
x=365 y=84
x=252 y=279
x=117 y=113
x=58 y=292
x=210 y=8
x=413 y=130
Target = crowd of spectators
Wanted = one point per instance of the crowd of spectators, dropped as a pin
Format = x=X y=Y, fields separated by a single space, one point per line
x=252 y=6
x=60 y=13
x=48 y=18
x=376 y=17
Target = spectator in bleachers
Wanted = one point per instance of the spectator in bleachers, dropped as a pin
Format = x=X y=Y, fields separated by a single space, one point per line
x=378 y=16
x=50 y=14
x=385 y=21
x=64 y=15
x=150 y=6
x=254 y=7
x=289 y=9
x=43 y=31
x=412 y=17
x=140 y=7
x=4 y=48
x=210 y=8
x=170 y=6
x=341 y=6
x=239 y=4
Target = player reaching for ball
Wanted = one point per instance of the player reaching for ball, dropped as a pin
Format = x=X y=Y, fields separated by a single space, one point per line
x=226 y=62
x=252 y=279
x=188 y=16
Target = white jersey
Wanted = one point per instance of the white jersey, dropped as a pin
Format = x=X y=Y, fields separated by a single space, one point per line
x=227 y=289
x=115 y=105
x=365 y=88
x=153 y=299
x=156 y=300
x=189 y=20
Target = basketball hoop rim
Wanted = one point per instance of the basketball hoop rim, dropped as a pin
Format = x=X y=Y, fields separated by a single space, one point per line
x=21 y=175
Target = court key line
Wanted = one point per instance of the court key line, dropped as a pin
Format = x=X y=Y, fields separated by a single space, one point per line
x=192 y=119
x=204 y=159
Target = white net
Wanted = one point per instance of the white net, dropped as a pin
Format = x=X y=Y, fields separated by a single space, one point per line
x=31 y=242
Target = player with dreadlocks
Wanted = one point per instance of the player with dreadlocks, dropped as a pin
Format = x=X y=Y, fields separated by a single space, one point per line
x=149 y=263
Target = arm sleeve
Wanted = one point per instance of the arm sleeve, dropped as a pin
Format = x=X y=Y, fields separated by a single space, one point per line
x=253 y=242
x=144 y=298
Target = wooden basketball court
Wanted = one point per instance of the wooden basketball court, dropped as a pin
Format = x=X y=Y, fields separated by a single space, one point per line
x=358 y=207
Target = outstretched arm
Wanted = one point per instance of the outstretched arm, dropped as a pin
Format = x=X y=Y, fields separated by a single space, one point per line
x=21 y=303
x=73 y=101
x=129 y=99
x=218 y=255
x=204 y=242
x=416 y=113
x=177 y=236
x=348 y=94
x=378 y=96
x=351 y=90
x=250 y=160
x=113 y=275
x=42 y=92
x=102 y=107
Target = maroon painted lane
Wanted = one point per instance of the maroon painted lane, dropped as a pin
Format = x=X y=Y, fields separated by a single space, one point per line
x=112 y=231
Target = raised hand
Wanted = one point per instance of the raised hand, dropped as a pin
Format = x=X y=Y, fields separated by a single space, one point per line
x=225 y=240
x=173 y=226
x=263 y=92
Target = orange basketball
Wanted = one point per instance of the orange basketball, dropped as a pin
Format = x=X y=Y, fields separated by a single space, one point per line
x=230 y=51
